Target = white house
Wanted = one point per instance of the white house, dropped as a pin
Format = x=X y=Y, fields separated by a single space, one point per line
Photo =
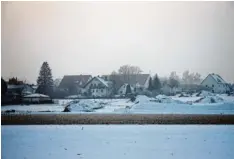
x=98 y=87
x=215 y=83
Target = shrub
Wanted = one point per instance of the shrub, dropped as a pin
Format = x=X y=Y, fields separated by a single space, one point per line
x=133 y=98
x=212 y=100
x=67 y=109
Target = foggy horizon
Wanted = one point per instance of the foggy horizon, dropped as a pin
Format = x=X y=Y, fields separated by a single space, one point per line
x=98 y=37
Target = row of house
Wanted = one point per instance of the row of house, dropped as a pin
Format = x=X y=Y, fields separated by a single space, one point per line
x=103 y=86
x=107 y=85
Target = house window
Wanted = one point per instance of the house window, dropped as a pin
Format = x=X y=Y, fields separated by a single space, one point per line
x=101 y=90
x=121 y=92
x=212 y=85
x=96 y=90
x=206 y=86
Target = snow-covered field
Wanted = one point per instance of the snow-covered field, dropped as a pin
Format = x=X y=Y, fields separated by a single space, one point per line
x=205 y=103
x=118 y=141
x=34 y=108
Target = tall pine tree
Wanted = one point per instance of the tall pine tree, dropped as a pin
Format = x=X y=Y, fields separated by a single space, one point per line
x=150 y=86
x=156 y=83
x=44 y=80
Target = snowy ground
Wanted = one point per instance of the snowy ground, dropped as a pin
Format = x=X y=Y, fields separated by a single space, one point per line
x=160 y=105
x=118 y=141
x=34 y=108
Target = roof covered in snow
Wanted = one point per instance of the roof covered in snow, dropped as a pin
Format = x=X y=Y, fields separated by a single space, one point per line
x=36 y=95
x=11 y=86
x=69 y=81
x=218 y=78
x=103 y=81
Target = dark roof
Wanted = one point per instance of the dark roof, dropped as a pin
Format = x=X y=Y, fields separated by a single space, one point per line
x=71 y=80
x=130 y=79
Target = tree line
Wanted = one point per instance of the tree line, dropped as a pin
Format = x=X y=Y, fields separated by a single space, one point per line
x=45 y=79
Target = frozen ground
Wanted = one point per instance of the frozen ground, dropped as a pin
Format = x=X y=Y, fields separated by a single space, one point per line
x=223 y=104
x=118 y=141
x=34 y=108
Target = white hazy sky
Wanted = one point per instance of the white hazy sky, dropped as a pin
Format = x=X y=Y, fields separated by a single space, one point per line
x=98 y=37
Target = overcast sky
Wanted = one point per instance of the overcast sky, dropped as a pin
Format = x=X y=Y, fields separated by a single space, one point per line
x=98 y=37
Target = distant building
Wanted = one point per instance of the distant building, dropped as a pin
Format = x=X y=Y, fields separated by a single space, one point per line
x=36 y=98
x=74 y=84
x=136 y=81
x=123 y=88
x=216 y=83
x=98 y=87
x=22 y=89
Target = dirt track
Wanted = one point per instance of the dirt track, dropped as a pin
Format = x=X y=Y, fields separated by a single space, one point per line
x=42 y=119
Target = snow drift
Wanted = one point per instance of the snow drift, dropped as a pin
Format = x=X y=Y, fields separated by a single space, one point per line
x=209 y=99
x=85 y=105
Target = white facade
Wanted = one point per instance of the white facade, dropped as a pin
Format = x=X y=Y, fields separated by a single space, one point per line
x=146 y=83
x=216 y=86
x=98 y=87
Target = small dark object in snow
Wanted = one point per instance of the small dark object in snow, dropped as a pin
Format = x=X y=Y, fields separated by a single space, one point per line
x=45 y=111
x=181 y=95
x=82 y=128
x=133 y=98
x=78 y=154
x=66 y=109
x=172 y=154
x=204 y=140
x=137 y=102
x=212 y=100
x=10 y=111
x=65 y=149
x=198 y=94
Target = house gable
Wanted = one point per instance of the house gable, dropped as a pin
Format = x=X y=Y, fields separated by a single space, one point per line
x=96 y=82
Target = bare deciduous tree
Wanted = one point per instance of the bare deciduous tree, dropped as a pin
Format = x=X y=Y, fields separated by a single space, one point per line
x=173 y=80
x=128 y=70
x=191 y=78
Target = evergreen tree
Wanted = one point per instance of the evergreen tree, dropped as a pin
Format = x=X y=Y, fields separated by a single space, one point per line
x=45 y=81
x=128 y=89
x=3 y=87
x=156 y=83
x=150 y=86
